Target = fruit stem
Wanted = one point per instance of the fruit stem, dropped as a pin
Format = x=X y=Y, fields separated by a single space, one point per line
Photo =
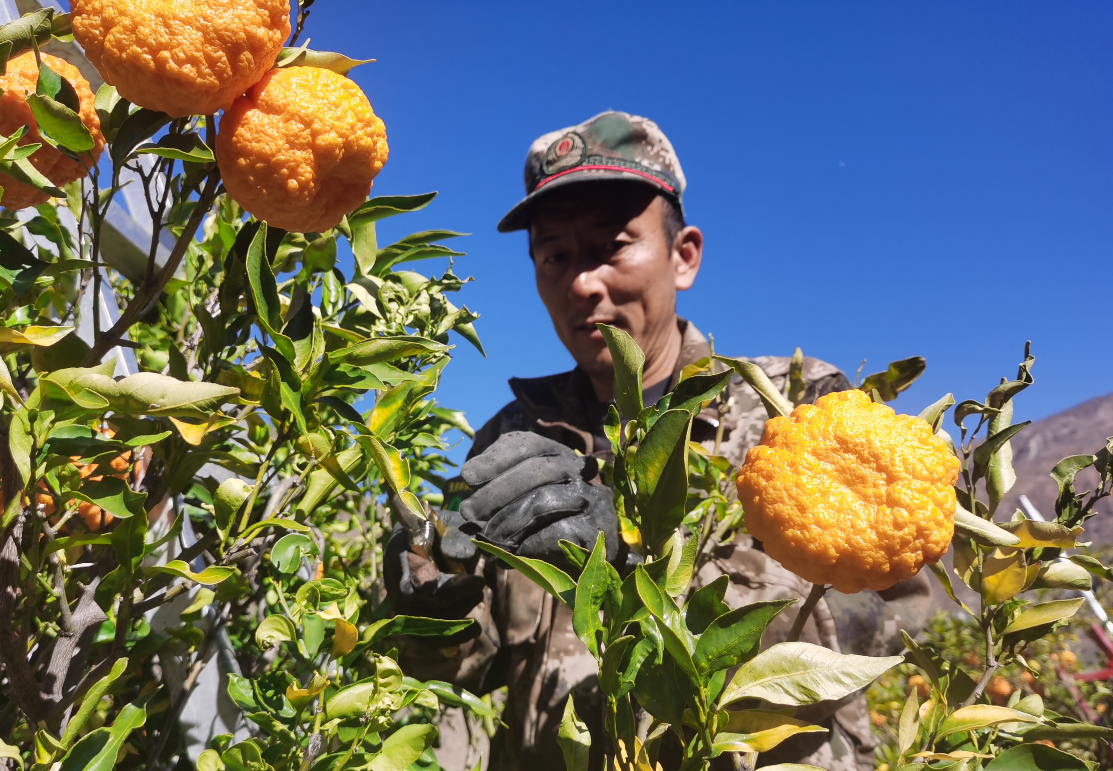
x=814 y=596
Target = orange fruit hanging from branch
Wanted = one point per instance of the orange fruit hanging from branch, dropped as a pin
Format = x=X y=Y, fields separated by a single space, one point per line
x=301 y=148
x=848 y=493
x=181 y=57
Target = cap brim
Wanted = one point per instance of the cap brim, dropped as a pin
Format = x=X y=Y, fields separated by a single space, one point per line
x=518 y=217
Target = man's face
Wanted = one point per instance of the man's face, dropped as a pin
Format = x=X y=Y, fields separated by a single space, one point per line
x=601 y=254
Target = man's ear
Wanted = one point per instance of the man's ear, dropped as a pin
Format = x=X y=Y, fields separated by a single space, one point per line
x=687 y=254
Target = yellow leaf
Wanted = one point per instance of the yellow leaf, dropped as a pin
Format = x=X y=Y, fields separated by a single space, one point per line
x=344 y=638
x=194 y=433
x=296 y=695
x=34 y=335
x=1034 y=534
x=1004 y=574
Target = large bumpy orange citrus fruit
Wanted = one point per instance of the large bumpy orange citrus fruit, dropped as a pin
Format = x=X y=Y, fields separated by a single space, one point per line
x=301 y=148
x=848 y=493
x=181 y=57
x=17 y=84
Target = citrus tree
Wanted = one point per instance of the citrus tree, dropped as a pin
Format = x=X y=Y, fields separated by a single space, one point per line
x=227 y=494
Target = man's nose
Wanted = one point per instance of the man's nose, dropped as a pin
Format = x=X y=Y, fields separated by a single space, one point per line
x=588 y=284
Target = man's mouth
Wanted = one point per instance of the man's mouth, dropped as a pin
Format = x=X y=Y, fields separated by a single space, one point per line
x=588 y=327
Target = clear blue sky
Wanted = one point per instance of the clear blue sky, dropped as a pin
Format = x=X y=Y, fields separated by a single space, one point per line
x=875 y=180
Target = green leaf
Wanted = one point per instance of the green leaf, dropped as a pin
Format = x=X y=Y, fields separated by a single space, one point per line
x=210 y=576
x=694 y=392
x=21 y=444
x=264 y=294
x=35 y=26
x=976 y=716
x=453 y=696
x=91 y=701
x=1067 y=469
x=403 y=747
x=385 y=349
x=111 y=494
x=275 y=630
x=628 y=363
x=7 y=751
x=775 y=403
x=574 y=738
x=1092 y=566
x=179 y=147
x=909 y=727
x=54 y=86
x=241 y=693
x=415 y=626
x=137 y=128
x=734 y=637
x=230 y=496
x=1063 y=574
x=1045 y=613
x=1035 y=758
x=706 y=604
x=681 y=565
x=1067 y=732
x=552 y=579
x=145 y=393
x=396 y=473
x=288 y=552
x=97 y=750
x=678 y=640
x=60 y=123
x=1000 y=475
x=985 y=451
x=597 y=579
x=375 y=210
x=661 y=475
x=898 y=377
x=797 y=673
x=982 y=531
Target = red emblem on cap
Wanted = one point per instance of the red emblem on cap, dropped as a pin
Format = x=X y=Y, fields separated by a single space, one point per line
x=565 y=153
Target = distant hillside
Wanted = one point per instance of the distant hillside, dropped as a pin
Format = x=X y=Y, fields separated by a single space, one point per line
x=1081 y=430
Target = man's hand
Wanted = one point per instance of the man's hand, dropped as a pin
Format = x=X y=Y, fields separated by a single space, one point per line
x=533 y=492
x=419 y=587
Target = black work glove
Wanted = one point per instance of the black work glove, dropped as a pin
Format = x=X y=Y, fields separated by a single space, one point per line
x=421 y=587
x=533 y=492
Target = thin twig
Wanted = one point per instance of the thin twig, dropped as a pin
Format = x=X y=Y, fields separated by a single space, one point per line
x=814 y=596
x=149 y=292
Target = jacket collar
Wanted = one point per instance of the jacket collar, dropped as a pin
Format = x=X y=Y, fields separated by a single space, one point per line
x=569 y=399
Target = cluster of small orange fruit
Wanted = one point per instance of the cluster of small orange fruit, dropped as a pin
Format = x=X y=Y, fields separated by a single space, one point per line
x=298 y=147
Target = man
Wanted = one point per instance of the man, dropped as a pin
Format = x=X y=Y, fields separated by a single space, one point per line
x=609 y=244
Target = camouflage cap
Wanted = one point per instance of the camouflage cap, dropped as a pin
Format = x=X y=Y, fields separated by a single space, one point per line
x=612 y=145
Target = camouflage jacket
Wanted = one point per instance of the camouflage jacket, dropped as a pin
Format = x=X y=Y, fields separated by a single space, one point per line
x=528 y=644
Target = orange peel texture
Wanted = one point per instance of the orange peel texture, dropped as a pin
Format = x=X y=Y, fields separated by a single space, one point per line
x=17 y=84
x=848 y=493
x=301 y=149
x=181 y=57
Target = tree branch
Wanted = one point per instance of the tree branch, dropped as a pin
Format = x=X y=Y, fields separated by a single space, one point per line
x=150 y=291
